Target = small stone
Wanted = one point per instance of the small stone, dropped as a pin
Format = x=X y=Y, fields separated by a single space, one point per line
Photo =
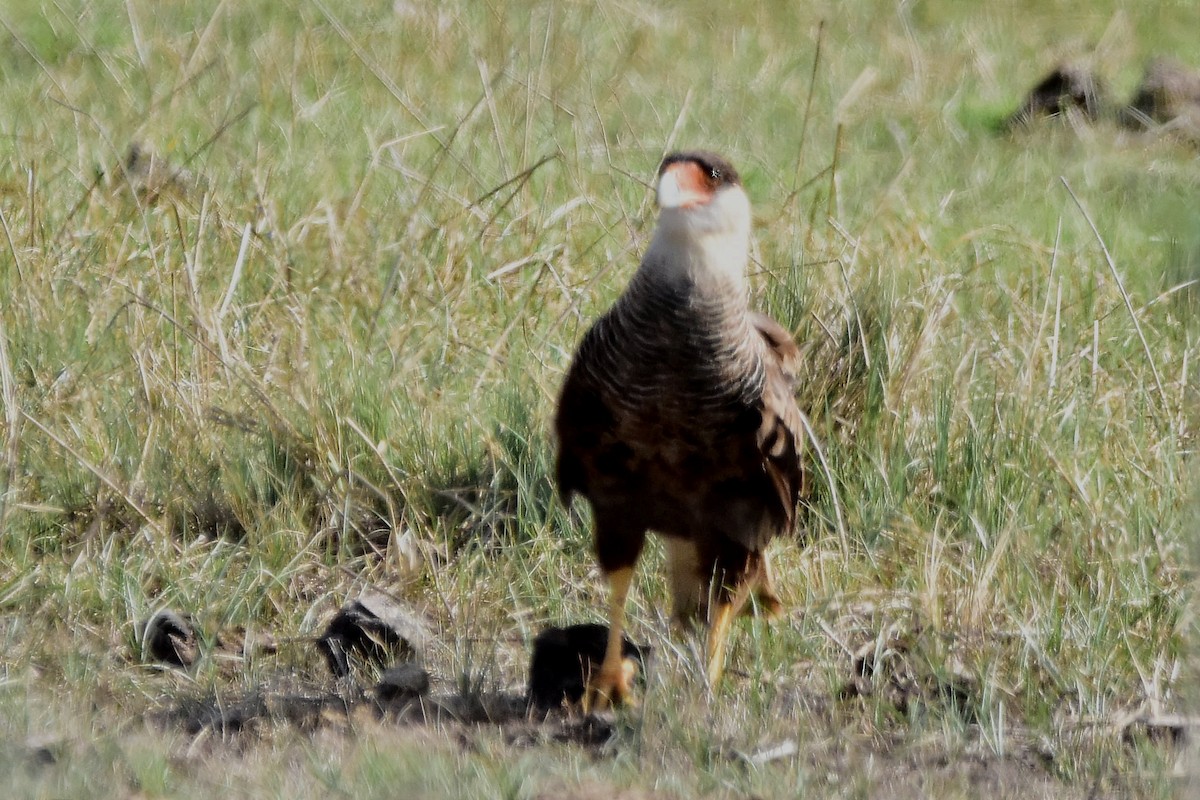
x=1067 y=86
x=1169 y=91
x=376 y=628
x=42 y=751
x=169 y=637
x=564 y=658
x=402 y=682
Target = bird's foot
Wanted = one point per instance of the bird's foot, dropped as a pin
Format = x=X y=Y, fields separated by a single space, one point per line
x=611 y=687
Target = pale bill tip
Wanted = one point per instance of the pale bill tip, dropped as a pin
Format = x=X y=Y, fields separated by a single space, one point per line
x=670 y=195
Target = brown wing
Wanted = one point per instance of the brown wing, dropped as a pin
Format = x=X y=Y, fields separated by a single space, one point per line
x=777 y=337
x=582 y=423
x=753 y=475
x=781 y=434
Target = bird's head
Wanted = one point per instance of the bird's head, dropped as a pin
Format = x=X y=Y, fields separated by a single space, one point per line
x=703 y=192
x=704 y=219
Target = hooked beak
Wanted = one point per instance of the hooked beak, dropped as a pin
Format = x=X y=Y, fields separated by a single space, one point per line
x=682 y=185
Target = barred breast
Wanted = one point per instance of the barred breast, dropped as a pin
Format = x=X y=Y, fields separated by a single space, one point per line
x=677 y=389
x=676 y=347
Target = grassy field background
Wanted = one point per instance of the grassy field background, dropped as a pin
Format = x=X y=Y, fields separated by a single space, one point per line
x=315 y=346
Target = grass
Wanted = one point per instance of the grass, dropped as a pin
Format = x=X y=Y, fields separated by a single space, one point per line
x=319 y=349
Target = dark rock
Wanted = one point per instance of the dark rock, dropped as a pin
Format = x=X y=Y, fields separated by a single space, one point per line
x=563 y=659
x=1068 y=86
x=1169 y=91
x=376 y=628
x=169 y=637
x=402 y=682
x=43 y=751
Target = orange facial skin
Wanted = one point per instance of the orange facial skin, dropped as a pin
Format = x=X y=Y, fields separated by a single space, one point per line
x=693 y=184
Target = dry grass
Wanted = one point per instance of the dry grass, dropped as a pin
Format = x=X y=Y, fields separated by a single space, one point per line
x=309 y=339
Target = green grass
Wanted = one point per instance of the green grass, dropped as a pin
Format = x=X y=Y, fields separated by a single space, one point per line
x=326 y=356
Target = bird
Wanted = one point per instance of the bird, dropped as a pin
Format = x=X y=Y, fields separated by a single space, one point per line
x=678 y=416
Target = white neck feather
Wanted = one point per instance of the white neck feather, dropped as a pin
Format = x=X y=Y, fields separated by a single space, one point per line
x=707 y=245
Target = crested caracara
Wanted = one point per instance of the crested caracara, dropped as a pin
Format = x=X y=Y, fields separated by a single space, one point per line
x=678 y=416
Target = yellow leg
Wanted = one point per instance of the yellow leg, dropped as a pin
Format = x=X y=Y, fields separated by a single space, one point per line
x=611 y=685
x=718 y=630
x=767 y=603
x=718 y=634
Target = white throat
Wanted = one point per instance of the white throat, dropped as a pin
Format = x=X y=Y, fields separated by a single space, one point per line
x=707 y=245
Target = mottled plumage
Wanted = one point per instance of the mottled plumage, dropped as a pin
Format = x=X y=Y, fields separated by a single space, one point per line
x=677 y=415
